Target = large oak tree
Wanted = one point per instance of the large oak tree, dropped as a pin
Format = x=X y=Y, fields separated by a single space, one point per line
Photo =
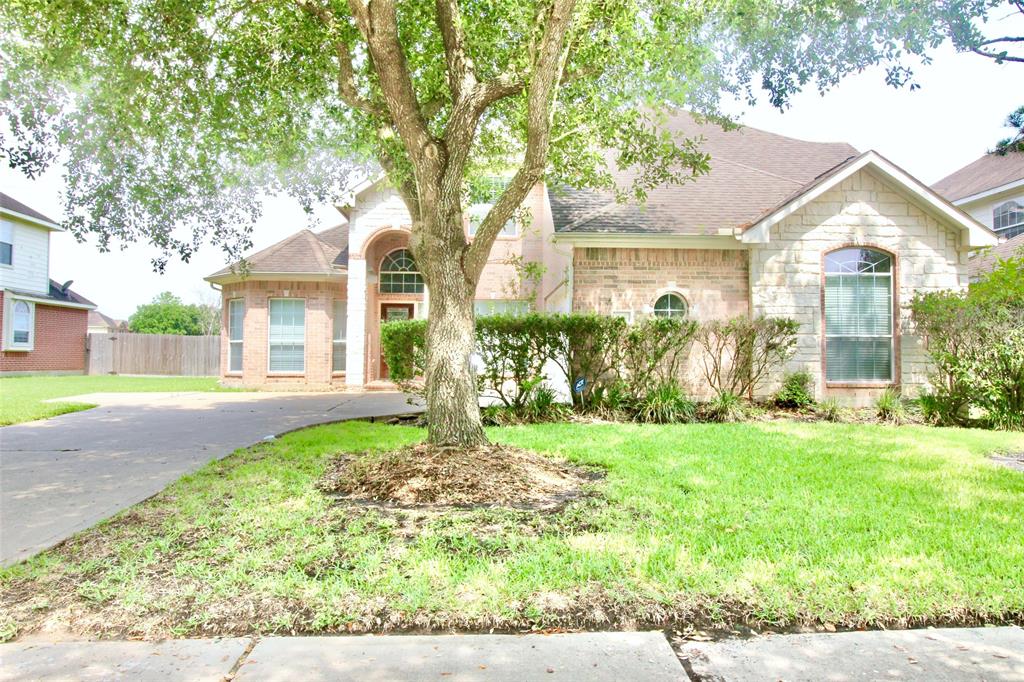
x=176 y=116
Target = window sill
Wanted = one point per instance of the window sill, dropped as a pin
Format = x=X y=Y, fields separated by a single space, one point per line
x=232 y=374
x=860 y=384
x=19 y=349
x=285 y=375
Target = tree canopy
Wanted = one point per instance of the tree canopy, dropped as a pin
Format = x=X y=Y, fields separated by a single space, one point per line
x=167 y=314
x=1014 y=143
x=177 y=116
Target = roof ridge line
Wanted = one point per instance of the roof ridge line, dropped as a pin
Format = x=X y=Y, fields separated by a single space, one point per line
x=757 y=170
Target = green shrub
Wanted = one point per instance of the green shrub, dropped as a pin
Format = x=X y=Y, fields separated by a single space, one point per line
x=738 y=354
x=829 y=410
x=666 y=403
x=653 y=351
x=612 y=400
x=513 y=349
x=975 y=341
x=797 y=391
x=889 y=407
x=586 y=345
x=404 y=347
x=543 y=406
x=725 y=407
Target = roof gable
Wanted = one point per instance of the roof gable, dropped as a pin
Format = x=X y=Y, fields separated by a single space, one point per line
x=975 y=233
x=15 y=209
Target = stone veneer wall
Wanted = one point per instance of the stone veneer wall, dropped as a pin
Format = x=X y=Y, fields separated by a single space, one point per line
x=786 y=273
x=319 y=297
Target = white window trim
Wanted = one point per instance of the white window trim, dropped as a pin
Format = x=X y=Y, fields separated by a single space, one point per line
x=8 y=331
x=305 y=334
x=241 y=341
x=7 y=237
x=661 y=293
x=1018 y=205
x=381 y=272
x=891 y=335
x=343 y=341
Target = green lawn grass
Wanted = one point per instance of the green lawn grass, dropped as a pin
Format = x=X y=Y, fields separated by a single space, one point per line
x=773 y=523
x=21 y=396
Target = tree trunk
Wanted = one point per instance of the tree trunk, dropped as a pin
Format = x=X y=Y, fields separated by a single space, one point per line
x=453 y=408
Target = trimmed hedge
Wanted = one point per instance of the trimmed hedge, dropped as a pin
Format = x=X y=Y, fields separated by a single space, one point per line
x=634 y=371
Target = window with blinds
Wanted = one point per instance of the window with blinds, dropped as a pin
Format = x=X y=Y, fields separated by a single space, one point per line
x=858 y=316
x=236 y=319
x=338 y=337
x=287 y=335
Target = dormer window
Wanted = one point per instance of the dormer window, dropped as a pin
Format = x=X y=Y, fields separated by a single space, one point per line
x=6 y=244
x=1008 y=219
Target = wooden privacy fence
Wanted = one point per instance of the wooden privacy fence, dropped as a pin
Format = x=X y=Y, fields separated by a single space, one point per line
x=126 y=353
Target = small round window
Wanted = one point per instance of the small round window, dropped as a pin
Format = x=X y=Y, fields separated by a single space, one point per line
x=670 y=305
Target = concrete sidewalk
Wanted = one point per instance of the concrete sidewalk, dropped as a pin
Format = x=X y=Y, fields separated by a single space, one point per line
x=940 y=655
x=594 y=656
x=932 y=655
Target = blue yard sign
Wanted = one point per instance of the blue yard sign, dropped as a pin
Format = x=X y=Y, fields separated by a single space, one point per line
x=579 y=385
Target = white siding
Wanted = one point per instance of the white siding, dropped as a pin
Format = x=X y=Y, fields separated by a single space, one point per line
x=982 y=209
x=30 y=270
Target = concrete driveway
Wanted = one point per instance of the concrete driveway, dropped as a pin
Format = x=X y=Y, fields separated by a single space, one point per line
x=64 y=474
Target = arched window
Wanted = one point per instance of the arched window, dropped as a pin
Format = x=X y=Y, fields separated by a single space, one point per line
x=858 y=316
x=1008 y=219
x=22 y=323
x=670 y=305
x=399 y=274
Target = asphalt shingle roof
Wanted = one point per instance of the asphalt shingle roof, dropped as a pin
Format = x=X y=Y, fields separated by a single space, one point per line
x=986 y=260
x=304 y=252
x=988 y=172
x=11 y=204
x=751 y=172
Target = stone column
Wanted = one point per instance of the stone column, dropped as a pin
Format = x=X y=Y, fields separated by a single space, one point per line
x=356 y=325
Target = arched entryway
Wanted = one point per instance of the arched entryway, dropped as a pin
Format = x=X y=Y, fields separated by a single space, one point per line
x=394 y=290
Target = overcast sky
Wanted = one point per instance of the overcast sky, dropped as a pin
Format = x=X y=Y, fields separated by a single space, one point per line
x=954 y=118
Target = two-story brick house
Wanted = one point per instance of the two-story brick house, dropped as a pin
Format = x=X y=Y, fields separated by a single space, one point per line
x=43 y=323
x=836 y=239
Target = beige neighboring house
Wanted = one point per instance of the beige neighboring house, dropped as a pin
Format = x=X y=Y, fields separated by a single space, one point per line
x=836 y=239
x=104 y=324
x=991 y=190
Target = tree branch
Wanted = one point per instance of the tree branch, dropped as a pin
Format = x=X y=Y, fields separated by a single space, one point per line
x=378 y=23
x=461 y=76
x=998 y=56
x=548 y=65
x=347 y=89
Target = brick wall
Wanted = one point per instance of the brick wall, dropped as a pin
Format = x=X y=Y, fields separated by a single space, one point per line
x=786 y=273
x=714 y=283
x=611 y=280
x=319 y=297
x=59 y=344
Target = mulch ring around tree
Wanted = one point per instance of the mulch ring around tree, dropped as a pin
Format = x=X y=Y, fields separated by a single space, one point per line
x=430 y=476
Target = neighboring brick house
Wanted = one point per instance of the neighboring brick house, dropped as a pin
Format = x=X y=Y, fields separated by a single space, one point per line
x=835 y=239
x=991 y=190
x=43 y=322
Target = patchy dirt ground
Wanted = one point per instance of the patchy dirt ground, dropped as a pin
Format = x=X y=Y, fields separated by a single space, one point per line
x=495 y=475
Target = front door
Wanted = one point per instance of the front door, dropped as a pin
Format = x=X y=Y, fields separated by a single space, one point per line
x=388 y=313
